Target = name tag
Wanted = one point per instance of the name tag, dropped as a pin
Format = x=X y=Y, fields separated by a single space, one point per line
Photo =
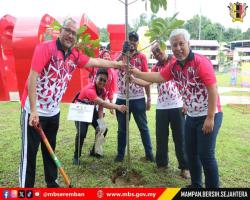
x=81 y=112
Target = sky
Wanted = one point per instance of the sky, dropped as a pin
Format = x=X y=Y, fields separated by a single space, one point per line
x=103 y=12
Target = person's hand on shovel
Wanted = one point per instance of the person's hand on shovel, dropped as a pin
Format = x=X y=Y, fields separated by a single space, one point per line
x=34 y=118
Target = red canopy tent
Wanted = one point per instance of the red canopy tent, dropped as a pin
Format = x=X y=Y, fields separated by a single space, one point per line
x=116 y=37
x=8 y=81
x=30 y=31
x=27 y=33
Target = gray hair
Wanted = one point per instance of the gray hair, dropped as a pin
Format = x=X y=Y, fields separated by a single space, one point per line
x=69 y=19
x=180 y=31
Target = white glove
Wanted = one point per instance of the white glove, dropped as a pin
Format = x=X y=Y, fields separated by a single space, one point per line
x=99 y=140
x=100 y=136
x=102 y=126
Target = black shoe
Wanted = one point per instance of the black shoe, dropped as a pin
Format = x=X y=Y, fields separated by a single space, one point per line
x=99 y=156
x=190 y=186
x=76 y=161
x=161 y=168
x=119 y=158
x=150 y=158
x=52 y=185
x=91 y=153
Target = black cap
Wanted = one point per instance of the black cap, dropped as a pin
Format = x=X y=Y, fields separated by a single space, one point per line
x=133 y=34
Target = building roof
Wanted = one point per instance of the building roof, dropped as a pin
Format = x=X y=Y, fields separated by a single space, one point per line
x=236 y=41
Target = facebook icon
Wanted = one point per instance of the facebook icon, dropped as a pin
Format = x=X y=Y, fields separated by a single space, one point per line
x=6 y=194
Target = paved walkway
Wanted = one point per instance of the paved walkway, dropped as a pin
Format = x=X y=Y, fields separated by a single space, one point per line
x=230 y=89
x=233 y=99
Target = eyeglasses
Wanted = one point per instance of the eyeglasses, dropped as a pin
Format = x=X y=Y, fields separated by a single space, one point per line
x=69 y=31
x=102 y=80
x=133 y=39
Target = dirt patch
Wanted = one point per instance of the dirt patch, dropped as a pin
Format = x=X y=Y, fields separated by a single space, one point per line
x=122 y=177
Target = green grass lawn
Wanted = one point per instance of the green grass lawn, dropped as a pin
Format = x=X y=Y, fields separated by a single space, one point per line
x=224 y=78
x=232 y=153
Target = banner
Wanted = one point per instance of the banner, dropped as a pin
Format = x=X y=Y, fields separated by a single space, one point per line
x=123 y=193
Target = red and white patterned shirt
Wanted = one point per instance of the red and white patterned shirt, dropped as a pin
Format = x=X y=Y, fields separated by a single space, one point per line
x=192 y=80
x=55 y=70
x=139 y=61
x=168 y=93
x=88 y=94
x=110 y=86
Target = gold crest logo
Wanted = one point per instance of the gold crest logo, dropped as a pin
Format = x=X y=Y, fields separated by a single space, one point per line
x=237 y=11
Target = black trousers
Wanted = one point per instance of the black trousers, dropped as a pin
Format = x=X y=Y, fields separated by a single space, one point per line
x=29 y=147
x=81 y=131
x=175 y=118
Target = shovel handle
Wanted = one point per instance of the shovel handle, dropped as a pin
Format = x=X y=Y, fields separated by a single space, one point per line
x=39 y=130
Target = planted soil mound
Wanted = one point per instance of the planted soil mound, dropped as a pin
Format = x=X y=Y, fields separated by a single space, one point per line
x=121 y=176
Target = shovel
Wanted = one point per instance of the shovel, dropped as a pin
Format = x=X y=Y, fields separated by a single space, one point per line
x=39 y=130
